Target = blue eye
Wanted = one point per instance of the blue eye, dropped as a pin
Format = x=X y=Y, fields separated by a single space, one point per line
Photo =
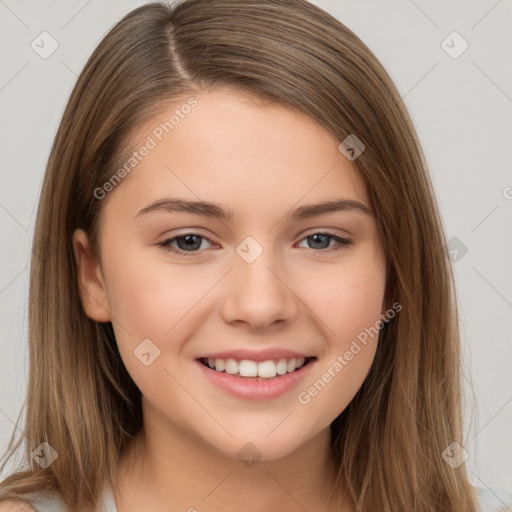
x=189 y=244
x=321 y=237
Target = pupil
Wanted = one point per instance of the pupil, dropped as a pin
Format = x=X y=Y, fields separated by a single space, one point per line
x=317 y=238
x=192 y=242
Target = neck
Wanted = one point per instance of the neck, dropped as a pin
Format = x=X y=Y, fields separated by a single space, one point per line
x=164 y=466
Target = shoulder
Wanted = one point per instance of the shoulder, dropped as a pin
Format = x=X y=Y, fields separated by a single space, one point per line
x=50 y=501
x=15 y=506
x=493 y=500
x=34 y=502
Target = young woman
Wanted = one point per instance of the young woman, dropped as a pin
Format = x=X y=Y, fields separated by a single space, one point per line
x=240 y=298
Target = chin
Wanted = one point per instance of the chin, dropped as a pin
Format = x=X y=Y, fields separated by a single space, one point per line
x=258 y=445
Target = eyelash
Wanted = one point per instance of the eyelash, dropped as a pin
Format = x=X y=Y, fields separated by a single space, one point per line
x=166 y=244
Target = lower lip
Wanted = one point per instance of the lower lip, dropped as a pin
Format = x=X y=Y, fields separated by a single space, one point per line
x=251 y=389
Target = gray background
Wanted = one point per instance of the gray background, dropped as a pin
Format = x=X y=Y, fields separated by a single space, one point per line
x=461 y=108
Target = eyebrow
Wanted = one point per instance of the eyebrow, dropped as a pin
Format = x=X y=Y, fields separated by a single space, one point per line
x=216 y=211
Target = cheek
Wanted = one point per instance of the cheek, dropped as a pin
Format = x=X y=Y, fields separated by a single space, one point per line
x=348 y=297
x=162 y=303
x=149 y=300
x=335 y=383
x=349 y=304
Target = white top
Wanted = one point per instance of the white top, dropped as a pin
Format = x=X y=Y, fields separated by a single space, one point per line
x=53 y=503
x=490 y=500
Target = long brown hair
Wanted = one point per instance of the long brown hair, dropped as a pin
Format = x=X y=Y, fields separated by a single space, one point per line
x=387 y=443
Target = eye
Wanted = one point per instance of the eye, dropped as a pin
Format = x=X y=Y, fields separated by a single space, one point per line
x=322 y=240
x=188 y=244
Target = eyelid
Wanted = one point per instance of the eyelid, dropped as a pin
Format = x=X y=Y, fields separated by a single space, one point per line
x=188 y=231
x=166 y=243
x=327 y=231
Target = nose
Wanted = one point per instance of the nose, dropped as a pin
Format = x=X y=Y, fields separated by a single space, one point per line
x=259 y=294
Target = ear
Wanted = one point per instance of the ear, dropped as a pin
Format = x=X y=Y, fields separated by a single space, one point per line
x=91 y=285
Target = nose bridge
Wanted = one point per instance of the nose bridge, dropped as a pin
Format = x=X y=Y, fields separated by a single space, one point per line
x=257 y=294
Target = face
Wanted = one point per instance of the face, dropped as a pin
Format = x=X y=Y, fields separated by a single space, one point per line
x=272 y=287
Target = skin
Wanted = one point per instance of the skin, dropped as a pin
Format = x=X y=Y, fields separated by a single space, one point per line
x=261 y=160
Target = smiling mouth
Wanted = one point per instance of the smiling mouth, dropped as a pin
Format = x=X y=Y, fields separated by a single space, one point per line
x=252 y=370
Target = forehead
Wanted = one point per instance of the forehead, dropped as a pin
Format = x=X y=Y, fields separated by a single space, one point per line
x=237 y=149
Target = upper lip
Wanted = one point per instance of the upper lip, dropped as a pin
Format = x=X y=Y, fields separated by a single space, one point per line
x=257 y=355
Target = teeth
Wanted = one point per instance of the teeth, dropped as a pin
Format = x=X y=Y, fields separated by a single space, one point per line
x=231 y=366
x=266 y=369
x=247 y=368
x=281 y=366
